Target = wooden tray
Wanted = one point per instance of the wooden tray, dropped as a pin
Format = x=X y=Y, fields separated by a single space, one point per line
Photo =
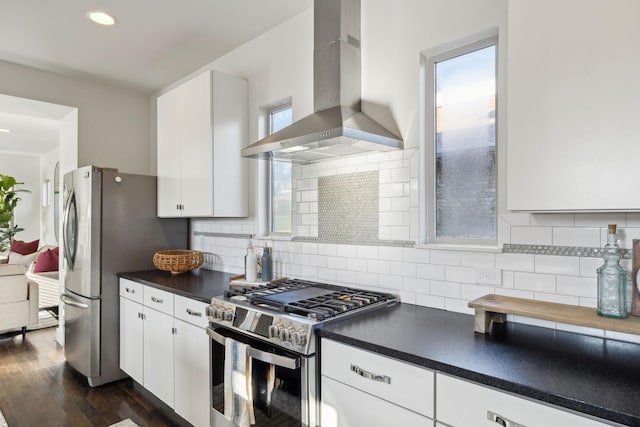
x=494 y=308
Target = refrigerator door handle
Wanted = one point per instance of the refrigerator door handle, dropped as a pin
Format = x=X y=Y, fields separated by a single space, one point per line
x=70 y=236
x=64 y=298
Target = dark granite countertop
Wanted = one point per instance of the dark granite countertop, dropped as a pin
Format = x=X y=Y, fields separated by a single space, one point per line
x=595 y=376
x=199 y=284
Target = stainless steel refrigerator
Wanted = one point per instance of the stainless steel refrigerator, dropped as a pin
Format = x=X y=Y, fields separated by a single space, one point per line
x=109 y=226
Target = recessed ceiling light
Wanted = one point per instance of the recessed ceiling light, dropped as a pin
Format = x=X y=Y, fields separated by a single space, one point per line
x=5 y=130
x=101 y=18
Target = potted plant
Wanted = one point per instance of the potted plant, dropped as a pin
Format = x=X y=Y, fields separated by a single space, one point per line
x=8 y=202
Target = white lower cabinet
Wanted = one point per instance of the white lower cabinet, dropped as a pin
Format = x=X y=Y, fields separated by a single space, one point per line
x=461 y=403
x=131 y=338
x=345 y=406
x=363 y=388
x=192 y=373
x=164 y=347
x=158 y=358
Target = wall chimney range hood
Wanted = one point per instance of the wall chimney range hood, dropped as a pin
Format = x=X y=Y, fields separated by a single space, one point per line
x=337 y=127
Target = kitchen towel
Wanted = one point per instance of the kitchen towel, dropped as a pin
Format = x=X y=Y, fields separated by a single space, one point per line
x=271 y=382
x=238 y=393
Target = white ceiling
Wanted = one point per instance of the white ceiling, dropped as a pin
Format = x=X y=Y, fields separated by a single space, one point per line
x=153 y=44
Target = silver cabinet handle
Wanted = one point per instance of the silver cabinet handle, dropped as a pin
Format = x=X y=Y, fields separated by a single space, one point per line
x=157 y=300
x=129 y=290
x=65 y=300
x=194 y=313
x=263 y=356
x=370 y=375
x=500 y=420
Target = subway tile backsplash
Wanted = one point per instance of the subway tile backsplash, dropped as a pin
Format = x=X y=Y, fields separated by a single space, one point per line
x=550 y=257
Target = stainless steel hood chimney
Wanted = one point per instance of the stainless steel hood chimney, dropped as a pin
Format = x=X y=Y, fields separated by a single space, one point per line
x=337 y=127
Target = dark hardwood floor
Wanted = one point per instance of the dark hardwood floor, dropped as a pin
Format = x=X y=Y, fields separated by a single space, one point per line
x=38 y=388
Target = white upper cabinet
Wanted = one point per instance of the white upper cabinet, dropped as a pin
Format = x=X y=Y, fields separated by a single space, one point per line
x=573 y=109
x=202 y=126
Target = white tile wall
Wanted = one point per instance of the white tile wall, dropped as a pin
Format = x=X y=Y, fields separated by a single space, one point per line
x=557 y=265
x=443 y=279
x=532 y=235
x=577 y=286
x=535 y=282
x=564 y=236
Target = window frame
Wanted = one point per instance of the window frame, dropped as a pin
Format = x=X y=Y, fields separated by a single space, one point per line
x=428 y=137
x=269 y=111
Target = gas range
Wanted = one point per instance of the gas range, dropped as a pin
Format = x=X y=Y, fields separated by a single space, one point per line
x=286 y=312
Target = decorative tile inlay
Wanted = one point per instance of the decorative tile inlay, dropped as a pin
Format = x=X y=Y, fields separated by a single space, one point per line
x=560 y=250
x=348 y=208
x=393 y=243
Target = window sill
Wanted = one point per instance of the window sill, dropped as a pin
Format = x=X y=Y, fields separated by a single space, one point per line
x=466 y=248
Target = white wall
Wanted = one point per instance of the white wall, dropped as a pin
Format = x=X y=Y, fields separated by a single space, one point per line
x=25 y=169
x=47 y=168
x=113 y=123
x=393 y=35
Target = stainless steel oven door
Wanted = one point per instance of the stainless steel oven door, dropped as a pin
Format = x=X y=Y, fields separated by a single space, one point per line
x=283 y=382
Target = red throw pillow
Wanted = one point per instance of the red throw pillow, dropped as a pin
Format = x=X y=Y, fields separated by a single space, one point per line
x=46 y=261
x=24 y=248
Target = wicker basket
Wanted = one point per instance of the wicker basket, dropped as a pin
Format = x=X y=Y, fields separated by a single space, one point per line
x=178 y=260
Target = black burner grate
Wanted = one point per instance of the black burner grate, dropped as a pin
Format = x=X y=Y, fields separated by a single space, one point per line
x=318 y=301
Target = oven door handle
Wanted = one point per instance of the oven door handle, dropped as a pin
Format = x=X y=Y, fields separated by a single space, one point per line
x=263 y=356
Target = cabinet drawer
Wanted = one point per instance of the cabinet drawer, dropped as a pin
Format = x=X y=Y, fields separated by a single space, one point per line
x=344 y=406
x=481 y=403
x=131 y=290
x=158 y=300
x=191 y=311
x=401 y=383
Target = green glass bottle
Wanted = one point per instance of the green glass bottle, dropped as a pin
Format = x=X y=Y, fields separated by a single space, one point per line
x=612 y=281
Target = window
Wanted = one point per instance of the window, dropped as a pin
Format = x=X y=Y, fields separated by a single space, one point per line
x=461 y=101
x=280 y=173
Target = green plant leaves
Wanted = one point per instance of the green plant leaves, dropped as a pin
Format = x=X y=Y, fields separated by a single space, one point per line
x=8 y=201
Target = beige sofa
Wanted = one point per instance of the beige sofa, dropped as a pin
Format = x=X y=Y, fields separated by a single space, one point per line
x=18 y=298
x=48 y=284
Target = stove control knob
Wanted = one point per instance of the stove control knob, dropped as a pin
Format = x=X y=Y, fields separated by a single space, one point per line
x=228 y=314
x=277 y=330
x=273 y=331
x=285 y=333
x=299 y=337
x=211 y=312
x=218 y=313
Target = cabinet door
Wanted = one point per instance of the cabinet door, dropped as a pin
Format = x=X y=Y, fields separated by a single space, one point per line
x=480 y=403
x=573 y=105
x=158 y=355
x=170 y=117
x=344 y=406
x=192 y=373
x=196 y=142
x=131 y=330
x=230 y=135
